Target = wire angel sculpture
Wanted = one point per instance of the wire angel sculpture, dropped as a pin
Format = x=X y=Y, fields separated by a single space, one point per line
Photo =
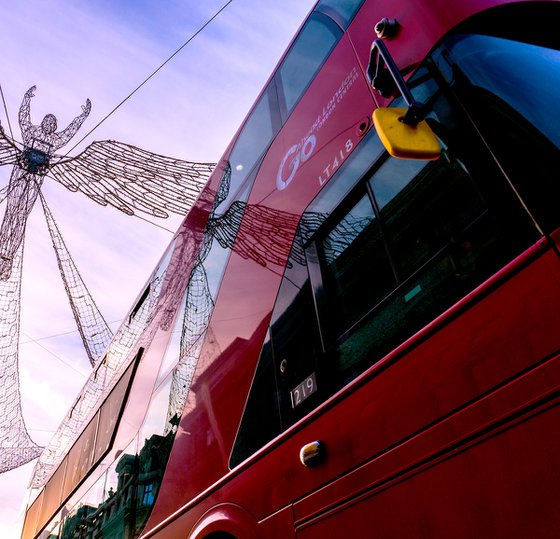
x=108 y=172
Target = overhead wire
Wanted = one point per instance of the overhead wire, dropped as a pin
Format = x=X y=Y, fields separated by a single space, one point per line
x=31 y=340
x=6 y=112
x=149 y=77
x=55 y=335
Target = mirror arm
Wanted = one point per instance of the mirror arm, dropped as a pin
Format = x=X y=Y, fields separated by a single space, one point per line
x=416 y=111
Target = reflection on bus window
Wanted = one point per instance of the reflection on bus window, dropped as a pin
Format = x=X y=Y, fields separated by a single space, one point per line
x=257 y=133
x=120 y=502
x=108 y=508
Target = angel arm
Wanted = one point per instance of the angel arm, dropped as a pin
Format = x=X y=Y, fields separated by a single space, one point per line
x=25 y=111
x=64 y=136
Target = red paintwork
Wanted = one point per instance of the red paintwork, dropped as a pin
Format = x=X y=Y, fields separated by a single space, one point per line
x=248 y=290
x=435 y=379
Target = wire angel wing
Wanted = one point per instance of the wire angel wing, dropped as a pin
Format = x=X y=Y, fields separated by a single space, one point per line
x=8 y=150
x=132 y=179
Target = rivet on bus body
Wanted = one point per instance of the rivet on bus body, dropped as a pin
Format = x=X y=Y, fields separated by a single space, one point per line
x=387 y=28
x=363 y=126
x=312 y=454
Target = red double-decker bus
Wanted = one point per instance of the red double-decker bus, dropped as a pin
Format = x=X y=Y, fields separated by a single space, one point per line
x=347 y=336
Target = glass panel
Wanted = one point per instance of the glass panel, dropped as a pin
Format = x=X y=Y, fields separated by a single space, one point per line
x=294 y=328
x=77 y=522
x=357 y=272
x=439 y=200
x=515 y=73
x=255 y=137
x=341 y=9
x=296 y=341
x=448 y=225
x=120 y=502
x=109 y=414
x=310 y=49
x=52 y=530
x=510 y=90
x=155 y=442
x=261 y=420
x=32 y=518
x=53 y=494
x=80 y=457
x=108 y=508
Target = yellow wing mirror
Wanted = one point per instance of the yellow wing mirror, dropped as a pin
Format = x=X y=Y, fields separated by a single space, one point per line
x=403 y=131
x=404 y=140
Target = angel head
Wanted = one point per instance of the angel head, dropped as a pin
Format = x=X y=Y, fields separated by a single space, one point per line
x=49 y=124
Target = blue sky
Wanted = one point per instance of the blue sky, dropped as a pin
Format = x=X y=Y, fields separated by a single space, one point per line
x=101 y=50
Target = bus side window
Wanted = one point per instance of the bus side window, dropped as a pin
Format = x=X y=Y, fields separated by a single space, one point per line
x=261 y=420
x=342 y=11
x=510 y=91
x=307 y=54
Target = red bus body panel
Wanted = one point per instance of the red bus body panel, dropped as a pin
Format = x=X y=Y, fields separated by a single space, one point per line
x=399 y=439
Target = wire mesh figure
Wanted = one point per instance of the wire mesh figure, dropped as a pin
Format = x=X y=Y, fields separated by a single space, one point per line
x=40 y=143
x=108 y=172
x=16 y=446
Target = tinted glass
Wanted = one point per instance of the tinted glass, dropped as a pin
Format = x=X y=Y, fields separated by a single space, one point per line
x=312 y=46
x=510 y=90
x=120 y=502
x=109 y=414
x=80 y=457
x=355 y=242
x=32 y=517
x=294 y=325
x=438 y=199
x=256 y=135
x=341 y=10
x=53 y=494
x=107 y=509
x=447 y=224
x=260 y=423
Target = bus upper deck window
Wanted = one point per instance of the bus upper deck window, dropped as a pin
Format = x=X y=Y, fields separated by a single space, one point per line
x=311 y=48
x=342 y=11
x=257 y=133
